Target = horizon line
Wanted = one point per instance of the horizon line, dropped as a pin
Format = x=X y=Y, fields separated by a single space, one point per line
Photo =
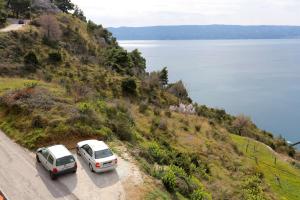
x=261 y=25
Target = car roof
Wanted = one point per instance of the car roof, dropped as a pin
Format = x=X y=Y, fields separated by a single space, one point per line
x=59 y=151
x=96 y=145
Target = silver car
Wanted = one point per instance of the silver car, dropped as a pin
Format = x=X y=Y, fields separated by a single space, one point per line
x=98 y=155
x=57 y=160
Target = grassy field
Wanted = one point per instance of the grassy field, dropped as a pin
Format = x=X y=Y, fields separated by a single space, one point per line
x=13 y=83
x=7 y=84
x=287 y=185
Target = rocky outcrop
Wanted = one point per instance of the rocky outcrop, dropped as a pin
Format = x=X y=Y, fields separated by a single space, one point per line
x=45 y=5
x=185 y=109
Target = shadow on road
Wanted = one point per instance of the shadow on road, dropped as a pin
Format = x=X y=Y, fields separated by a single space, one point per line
x=55 y=187
x=101 y=180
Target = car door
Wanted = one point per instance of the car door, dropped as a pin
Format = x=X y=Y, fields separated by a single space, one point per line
x=89 y=155
x=44 y=156
x=85 y=152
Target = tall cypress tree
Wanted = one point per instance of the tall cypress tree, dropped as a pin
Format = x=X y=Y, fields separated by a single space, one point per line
x=164 y=76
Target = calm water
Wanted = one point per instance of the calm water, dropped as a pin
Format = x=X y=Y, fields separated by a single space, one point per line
x=258 y=78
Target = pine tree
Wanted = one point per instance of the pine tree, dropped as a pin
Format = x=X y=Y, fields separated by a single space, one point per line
x=164 y=76
x=79 y=14
x=64 y=5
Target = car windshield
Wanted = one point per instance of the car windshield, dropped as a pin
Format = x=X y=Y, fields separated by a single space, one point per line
x=103 y=154
x=65 y=160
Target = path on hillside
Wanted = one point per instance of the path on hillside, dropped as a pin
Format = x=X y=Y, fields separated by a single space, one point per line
x=23 y=178
x=14 y=25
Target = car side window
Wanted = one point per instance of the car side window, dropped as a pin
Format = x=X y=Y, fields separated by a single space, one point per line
x=45 y=153
x=50 y=159
x=86 y=147
x=90 y=152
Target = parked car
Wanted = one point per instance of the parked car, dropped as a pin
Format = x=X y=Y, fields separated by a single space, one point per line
x=97 y=155
x=21 y=21
x=57 y=160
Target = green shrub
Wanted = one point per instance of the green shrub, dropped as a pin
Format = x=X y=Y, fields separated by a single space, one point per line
x=143 y=107
x=157 y=154
x=168 y=114
x=169 y=180
x=185 y=128
x=55 y=57
x=156 y=111
x=119 y=60
x=199 y=194
x=129 y=87
x=252 y=188
x=184 y=161
x=48 y=77
x=83 y=130
x=175 y=179
x=198 y=128
x=123 y=106
x=182 y=185
x=51 y=43
x=106 y=133
x=84 y=116
x=38 y=122
x=3 y=17
x=163 y=125
x=31 y=61
x=120 y=123
x=61 y=129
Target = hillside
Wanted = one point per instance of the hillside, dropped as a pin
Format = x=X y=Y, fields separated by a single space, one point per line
x=63 y=79
x=205 y=32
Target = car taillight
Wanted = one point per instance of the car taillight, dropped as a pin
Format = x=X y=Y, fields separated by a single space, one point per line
x=98 y=165
x=54 y=170
x=75 y=165
x=116 y=161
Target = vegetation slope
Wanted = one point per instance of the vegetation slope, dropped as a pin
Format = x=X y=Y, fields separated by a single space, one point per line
x=64 y=79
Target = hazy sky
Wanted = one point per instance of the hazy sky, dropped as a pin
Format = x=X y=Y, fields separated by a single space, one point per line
x=176 y=12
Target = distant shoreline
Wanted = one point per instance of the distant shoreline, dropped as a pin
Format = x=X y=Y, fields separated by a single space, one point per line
x=206 y=39
x=206 y=32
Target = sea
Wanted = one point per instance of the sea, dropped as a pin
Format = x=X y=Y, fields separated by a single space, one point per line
x=257 y=78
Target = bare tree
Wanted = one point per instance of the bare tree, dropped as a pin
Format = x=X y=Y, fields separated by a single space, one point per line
x=241 y=123
x=50 y=27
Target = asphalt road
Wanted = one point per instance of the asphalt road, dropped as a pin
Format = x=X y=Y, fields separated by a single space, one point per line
x=22 y=178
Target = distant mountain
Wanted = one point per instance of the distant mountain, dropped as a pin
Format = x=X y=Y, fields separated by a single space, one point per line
x=205 y=32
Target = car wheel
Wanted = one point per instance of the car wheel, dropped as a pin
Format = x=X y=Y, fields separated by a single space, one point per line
x=52 y=176
x=91 y=167
x=37 y=159
x=74 y=171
